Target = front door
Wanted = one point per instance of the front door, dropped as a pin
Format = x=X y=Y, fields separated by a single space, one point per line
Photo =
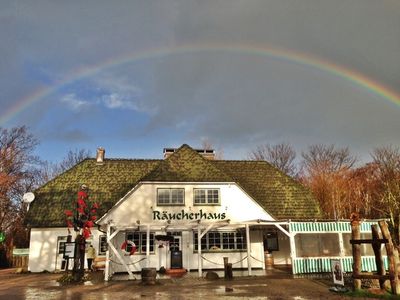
x=176 y=251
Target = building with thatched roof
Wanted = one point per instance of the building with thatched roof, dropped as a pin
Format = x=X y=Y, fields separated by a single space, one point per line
x=187 y=210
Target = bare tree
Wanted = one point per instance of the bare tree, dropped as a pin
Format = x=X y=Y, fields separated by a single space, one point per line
x=387 y=160
x=49 y=170
x=325 y=170
x=327 y=158
x=72 y=158
x=363 y=189
x=282 y=156
x=18 y=170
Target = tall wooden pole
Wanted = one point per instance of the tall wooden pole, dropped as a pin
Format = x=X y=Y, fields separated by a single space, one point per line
x=376 y=246
x=393 y=257
x=355 y=235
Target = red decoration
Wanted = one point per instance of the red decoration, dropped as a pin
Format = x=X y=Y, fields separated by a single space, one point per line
x=86 y=232
x=85 y=215
x=124 y=247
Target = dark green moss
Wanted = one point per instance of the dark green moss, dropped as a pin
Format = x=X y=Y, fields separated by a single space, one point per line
x=278 y=194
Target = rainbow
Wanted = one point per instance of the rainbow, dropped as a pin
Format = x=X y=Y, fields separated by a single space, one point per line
x=346 y=74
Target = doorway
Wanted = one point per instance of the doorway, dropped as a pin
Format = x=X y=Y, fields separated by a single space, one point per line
x=175 y=248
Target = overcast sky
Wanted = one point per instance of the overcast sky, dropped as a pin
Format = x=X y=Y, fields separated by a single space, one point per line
x=137 y=76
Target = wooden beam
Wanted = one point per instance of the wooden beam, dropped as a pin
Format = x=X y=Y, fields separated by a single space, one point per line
x=371 y=276
x=369 y=241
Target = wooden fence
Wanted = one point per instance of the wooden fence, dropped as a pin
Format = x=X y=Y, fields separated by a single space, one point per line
x=20 y=261
x=20 y=258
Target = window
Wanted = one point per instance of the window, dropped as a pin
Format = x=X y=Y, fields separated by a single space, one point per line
x=139 y=238
x=170 y=196
x=366 y=249
x=206 y=196
x=103 y=246
x=317 y=244
x=222 y=241
x=61 y=240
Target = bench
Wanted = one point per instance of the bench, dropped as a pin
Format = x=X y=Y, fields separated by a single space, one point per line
x=99 y=263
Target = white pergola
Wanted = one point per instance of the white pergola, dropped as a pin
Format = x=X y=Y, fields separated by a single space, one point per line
x=202 y=227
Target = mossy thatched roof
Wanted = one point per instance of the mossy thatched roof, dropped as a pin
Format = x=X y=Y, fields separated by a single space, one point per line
x=278 y=194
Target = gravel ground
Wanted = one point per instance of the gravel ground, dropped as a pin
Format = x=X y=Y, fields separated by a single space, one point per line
x=45 y=286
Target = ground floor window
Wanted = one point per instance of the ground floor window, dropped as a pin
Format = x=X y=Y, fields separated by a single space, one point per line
x=317 y=244
x=103 y=246
x=61 y=240
x=140 y=240
x=222 y=241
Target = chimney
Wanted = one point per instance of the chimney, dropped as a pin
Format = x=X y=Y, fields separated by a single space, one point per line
x=100 y=155
x=206 y=153
x=168 y=152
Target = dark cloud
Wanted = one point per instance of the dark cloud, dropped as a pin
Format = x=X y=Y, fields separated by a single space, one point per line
x=236 y=100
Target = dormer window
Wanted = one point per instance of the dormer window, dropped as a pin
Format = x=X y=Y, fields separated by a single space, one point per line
x=170 y=196
x=206 y=197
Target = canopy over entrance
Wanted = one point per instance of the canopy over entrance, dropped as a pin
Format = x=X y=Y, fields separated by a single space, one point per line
x=199 y=226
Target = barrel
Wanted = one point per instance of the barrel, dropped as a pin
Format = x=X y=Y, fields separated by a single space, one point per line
x=149 y=276
x=269 y=261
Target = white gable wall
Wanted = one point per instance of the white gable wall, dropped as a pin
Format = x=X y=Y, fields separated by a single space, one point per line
x=140 y=204
x=140 y=207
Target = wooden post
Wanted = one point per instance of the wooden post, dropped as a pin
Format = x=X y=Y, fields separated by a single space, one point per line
x=393 y=258
x=376 y=246
x=228 y=274
x=355 y=235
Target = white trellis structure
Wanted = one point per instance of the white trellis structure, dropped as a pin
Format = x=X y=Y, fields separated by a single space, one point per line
x=200 y=227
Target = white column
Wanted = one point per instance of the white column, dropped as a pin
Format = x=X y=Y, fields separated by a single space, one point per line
x=293 y=253
x=248 y=248
x=199 y=251
x=341 y=244
x=107 y=268
x=148 y=246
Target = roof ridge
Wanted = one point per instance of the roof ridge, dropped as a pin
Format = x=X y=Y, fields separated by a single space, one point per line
x=164 y=168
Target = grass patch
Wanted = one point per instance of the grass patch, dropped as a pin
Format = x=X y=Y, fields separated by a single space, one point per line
x=369 y=294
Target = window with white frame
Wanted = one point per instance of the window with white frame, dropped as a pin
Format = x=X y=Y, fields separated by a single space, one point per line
x=170 y=196
x=317 y=244
x=206 y=196
x=61 y=240
x=221 y=241
x=103 y=246
x=140 y=239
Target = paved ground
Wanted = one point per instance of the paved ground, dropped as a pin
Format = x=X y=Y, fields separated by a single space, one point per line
x=45 y=286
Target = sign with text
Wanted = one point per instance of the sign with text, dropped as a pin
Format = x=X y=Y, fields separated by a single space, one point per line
x=69 y=250
x=184 y=215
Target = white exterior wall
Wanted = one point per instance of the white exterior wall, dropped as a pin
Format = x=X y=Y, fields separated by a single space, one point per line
x=139 y=205
x=43 y=248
